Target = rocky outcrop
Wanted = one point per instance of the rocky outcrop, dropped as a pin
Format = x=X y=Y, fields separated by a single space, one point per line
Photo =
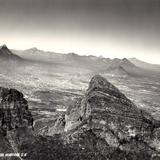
x=108 y=114
x=14 y=111
x=16 y=122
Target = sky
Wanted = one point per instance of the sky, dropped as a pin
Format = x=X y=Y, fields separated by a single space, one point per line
x=108 y=28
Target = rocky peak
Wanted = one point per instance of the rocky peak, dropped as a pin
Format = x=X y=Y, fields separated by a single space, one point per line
x=110 y=115
x=100 y=84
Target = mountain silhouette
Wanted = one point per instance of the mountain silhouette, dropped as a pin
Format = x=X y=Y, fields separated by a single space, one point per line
x=7 y=55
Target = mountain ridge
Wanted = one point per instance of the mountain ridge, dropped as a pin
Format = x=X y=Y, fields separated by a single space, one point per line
x=92 y=64
x=109 y=115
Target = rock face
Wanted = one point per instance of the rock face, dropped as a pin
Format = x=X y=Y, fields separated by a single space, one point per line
x=14 y=112
x=16 y=121
x=110 y=116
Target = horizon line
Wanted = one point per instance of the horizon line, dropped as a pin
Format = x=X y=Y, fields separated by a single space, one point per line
x=100 y=56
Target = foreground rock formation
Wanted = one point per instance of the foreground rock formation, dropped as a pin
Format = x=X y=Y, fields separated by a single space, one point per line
x=110 y=116
x=16 y=120
x=102 y=125
x=14 y=112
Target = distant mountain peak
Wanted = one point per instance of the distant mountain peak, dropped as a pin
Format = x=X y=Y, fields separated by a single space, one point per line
x=4 y=47
x=34 y=49
x=6 y=54
x=126 y=61
x=145 y=65
x=4 y=50
x=72 y=54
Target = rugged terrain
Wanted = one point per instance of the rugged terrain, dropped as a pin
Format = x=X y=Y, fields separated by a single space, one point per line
x=99 y=123
x=16 y=121
x=107 y=114
x=102 y=124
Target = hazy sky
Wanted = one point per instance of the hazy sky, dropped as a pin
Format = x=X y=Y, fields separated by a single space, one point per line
x=111 y=28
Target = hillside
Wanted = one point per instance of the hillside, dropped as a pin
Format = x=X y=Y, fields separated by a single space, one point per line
x=142 y=64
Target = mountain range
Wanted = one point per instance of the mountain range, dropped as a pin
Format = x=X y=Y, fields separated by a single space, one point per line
x=34 y=67
x=116 y=66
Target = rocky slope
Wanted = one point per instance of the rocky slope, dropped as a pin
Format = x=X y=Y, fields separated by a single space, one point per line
x=110 y=116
